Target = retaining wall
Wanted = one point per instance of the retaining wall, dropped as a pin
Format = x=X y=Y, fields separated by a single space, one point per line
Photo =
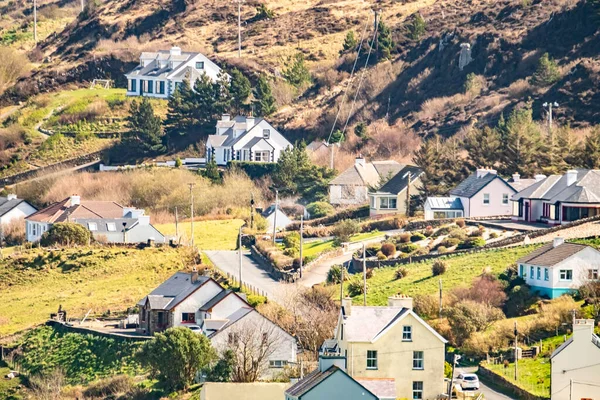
x=62 y=327
x=498 y=380
x=264 y=264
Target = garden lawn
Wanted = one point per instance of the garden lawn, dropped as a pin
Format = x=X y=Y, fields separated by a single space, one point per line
x=33 y=284
x=533 y=374
x=208 y=235
x=8 y=388
x=313 y=249
x=462 y=269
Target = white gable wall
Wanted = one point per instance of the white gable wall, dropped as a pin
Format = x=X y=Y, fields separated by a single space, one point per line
x=196 y=300
x=22 y=210
x=227 y=306
x=496 y=188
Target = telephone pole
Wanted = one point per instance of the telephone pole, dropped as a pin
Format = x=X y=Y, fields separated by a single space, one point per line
x=176 y=224
x=191 y=185
x=516 y=355
x=331 y=156
x=239 y=3
x=440 y=313
x=301 y=241
x=408 y=195
x=35 y=38
x=275 y=214
x=82 y=5
x=364 y=274
x=341 y=283
x=376 y=25
x=241 y=258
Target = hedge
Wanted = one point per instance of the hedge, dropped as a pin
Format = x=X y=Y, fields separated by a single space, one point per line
x=254 y=170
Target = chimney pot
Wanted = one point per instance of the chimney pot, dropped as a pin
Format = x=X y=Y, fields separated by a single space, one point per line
x=571 y=177
x=557 y=241
x=347 y=306
x=539 y=177
x=226 y=117
x=400 y=300
x=75 y=200
x=194 y=275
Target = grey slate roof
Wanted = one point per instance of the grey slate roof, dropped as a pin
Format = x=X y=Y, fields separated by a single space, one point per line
x=365 y=323
x=554 y=188
x=548 y=255
x=310 y=381
x=215 y=300
x=102 y=223
x=380 y=387
x=176 y=288
x=444 y=203
x=153 y=68
x=538 y=189
x=254 y=141
x=387 y=168
x=472 y=185
x=521 y=184
x=399 y=181
x=7 y=205
x=235 y=317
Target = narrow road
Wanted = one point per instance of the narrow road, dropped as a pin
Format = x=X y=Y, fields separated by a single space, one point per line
x=318 y=273
x=489 y=393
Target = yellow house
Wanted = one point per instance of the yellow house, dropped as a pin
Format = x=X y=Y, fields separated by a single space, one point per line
x=391 y=342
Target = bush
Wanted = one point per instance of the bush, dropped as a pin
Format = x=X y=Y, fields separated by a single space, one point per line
x=458 y=233
x=355 y=287
x=66 y=234
x=110 y=387
x=444 y=230
x=404 y=237
x=344 y=229
x=334 y=275
x=428 y=232
x=494 y=235
x=255 y=170
x=14 y=232
x=389 y=249
x=426 y=305
x=471 y=243
x=417 y=237
x=442 y=249
x=408 y=247
x=449 y=242
x=320 y=209
x=461 y=223
x=400 y=273
x=439 y=267
x=381 y=256
x=547 y=71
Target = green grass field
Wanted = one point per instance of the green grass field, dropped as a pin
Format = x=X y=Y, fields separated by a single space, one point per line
x=35 y=283
x=533 y=374
x=317 y=247
x=8 y=388
x=461 y=271
x=208 y=235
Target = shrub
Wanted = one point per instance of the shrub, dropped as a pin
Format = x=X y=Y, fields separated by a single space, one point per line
x=439 y=267
x=426 y=305
x=421 y=251
x=471 y=243
x=109 y=387
x=66 y=234
x=416 y=27
x=389 y=249
x=444 y=230
x=458 y=234
x=292 y=241
x=449 y=242
x=381 y=256
x=370 y=273
x=428 y=232
x=356 y=287
x=476 y=233
x=344 y=229
x=442 y=249
x=14 y=232
x=404 y=237
x=408 y=248
x=400 y=273
x=334 y=275
x=320 y=209
x=547 y=71
x=461 y=223
x=416 y=237
x=494 y=235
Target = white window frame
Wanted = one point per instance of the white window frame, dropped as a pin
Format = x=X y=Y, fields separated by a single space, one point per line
x=92 y=226
x=386 y=205
x=277 y=363
x=199 y=65
x=505 y=199
x=418 y=360
x=486 y=199
x=407 y=333
x=266 y=134
x=372 y=359
x=417 y=390
x=546 y=274
x=111 y=227
x=259 y=156
x=564 y=275
x=593 y=274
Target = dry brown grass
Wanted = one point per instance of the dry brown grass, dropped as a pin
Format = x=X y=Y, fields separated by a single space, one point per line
x=433 y=107
x=13 y=66
x=519 y=89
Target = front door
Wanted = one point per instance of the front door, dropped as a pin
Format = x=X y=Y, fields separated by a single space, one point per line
x=527 y=211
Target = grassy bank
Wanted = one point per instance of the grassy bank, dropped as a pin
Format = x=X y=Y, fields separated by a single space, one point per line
x=208 y=235
x=315 y=248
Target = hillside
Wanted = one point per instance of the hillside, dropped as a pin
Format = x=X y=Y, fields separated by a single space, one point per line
x=421 y=89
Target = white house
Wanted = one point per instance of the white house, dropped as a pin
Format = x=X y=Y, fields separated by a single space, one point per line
x=393 y=196
x=245 y=139
x=128 y=229
x=483 y=194
x=575 y=365
x=159 y=73
x=558 y=199
x=278 y=219
x=13 y=208
x=225 y=317
x=559 y=267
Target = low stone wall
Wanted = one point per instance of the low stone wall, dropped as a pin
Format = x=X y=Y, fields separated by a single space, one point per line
x=498 y=380
x=264 y=264
x=62 y=327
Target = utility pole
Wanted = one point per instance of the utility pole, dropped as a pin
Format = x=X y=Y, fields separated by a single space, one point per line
x=548 y=106
x=454 y=361
x=301 y=241
x=191 y=185
x=331 y=156
x=341 y=283
x=516 y=355
x=376 y=25
x=252 y=211
x=408 y=195
x=239 y=3
x=570 y=389
x=275 y=214
x=364 y=274
x=176 y=224
x=82 y=5
x=241 y=259
x=35 y=38
x=440 y=313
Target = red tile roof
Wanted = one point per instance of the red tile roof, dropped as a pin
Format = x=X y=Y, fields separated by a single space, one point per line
x=63 y=210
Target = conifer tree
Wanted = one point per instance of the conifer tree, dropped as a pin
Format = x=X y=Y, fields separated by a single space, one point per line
x=296 y=72
x=264 y=103
x=211 y=171
x=181 y=112
x=350 y=42
x=483 y=148
x=239 y=89
x=417 y=27
x=144 y=128
x=589 y=153
x=430 y=159
x=385 y=43
x=547 y=72
x=524 y=144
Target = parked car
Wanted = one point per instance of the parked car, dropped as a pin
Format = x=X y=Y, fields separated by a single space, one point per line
x=194 y=328
x=468 y=381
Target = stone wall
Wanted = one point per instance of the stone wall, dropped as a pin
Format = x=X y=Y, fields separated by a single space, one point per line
x=498 y=380
x=62 y=327
x=264 y=264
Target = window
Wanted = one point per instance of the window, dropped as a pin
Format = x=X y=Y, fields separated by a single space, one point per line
x=371 y=359
x=111 y=227
x=266 y=133
x=265 y=338
x=33 y=228
x=486 y=198
x=407 y=333
x=132 y=85
x=417 y=390
x=277 y=363
x=188 y=317
x=388 y=203
x=521 y=271
x=92 y=226
x=262 y=156
x=150 y=86
x=418 y=360
x=546 y=274
x=566 y=274
x=161 y=87
x=200 y=65
x=531 y=272
x=505 y=198
x=232 y=339
x=539 y=273
x=592 y=274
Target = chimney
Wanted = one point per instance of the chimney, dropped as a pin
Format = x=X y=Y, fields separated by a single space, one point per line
x=327 y=361
x=75 y=200
x=557 y=241
x=539 y=177
x=400 y=300
x=225 y=117
x=481 y=172
x=175 y=51
x=360 y=161
x=11 y=197
x=347 y=306
x=249 y=123
x=144 y=220
x=583 y=330
x=571 y=177
x=516 y=177
x=194 y=275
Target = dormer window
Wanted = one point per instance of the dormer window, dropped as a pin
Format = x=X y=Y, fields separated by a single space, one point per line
x=92 y=226
x=266 y=133
x=200 y=65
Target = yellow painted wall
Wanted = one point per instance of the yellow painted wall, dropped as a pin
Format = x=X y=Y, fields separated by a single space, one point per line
x=244 y=391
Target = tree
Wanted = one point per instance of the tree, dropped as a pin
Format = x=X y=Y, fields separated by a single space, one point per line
x=212 y=172
x=483 y=148
x=176 y=356
x=144 y=127
x=467 y=317
x=66 y=234
x=589 y=154
x=524 y=152
x=264 y=102
x=239 y=89
x=547 y=71
x=433 y=158
x=222 y=370
x=350 y=42
x=417 y=27
x=181 y=117
x=319 y=209
x=296 y=72
x=385 y=43
x=262 y=12
x=486 y=290
x=344 y=229
x=360 y=130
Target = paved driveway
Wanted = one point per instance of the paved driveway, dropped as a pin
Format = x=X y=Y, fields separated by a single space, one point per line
x=489 y=393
